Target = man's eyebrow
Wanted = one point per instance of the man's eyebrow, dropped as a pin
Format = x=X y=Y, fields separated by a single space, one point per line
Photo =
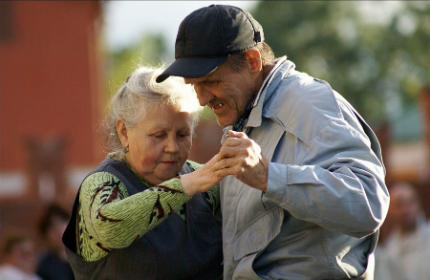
x=210 y=80
x=193 y=82
x=196 y=82
x=203 y=80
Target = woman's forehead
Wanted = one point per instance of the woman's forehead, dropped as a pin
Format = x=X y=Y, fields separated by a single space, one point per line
x=165 y=116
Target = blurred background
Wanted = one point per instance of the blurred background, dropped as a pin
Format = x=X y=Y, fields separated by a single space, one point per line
x=60 y=61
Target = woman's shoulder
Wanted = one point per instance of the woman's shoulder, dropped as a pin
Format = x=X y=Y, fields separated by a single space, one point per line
x=100 y=177
x=99 y=183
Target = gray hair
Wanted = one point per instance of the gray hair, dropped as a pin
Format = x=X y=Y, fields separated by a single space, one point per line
x=139 y=92
x=237 y=60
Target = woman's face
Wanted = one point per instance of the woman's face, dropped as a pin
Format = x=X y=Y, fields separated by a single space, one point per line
x=160 y=143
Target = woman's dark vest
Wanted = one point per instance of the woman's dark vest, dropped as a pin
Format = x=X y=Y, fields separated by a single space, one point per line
x=175 y=249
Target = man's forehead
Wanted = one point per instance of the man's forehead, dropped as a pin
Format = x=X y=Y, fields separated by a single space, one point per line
x=211 y=76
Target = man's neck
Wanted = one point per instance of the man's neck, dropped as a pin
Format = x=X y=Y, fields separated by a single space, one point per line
x=266 y=70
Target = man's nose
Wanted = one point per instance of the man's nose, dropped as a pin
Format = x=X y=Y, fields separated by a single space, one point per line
x=204 y=96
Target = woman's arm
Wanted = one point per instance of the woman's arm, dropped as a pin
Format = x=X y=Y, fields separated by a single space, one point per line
x=110 y=218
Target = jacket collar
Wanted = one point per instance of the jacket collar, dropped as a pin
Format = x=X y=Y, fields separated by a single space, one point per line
x=281 y=69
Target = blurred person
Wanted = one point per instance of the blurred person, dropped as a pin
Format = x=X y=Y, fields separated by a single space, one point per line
x=307 y=196
x=406 y=253
x=143 y=213
x=18 y=258
x=54 y=264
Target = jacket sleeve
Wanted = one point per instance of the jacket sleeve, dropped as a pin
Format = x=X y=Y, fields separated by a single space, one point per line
x=339 y=185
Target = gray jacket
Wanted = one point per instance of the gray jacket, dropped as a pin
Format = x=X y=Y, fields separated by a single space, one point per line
x=326 y=197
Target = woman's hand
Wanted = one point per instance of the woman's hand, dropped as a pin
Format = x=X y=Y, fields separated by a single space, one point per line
x=200 y=180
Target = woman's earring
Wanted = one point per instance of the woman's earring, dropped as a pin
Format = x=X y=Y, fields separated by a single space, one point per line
x=125 y=150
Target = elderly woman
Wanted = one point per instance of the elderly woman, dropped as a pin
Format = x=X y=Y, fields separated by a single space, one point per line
x=142 y=214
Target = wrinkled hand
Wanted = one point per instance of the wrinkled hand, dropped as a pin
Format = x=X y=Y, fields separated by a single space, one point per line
x=202 y=179
x=241 y=157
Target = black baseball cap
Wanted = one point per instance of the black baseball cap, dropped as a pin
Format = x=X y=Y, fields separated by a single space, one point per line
x=206 y=38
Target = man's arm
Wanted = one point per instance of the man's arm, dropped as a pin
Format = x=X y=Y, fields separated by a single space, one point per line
x=339 y=185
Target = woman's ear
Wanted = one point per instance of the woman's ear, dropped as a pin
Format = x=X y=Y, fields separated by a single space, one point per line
x=121 y=129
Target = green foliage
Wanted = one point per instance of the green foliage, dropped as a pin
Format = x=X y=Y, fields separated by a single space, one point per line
x=370 y=61
x=150 y=50
x=207 y=114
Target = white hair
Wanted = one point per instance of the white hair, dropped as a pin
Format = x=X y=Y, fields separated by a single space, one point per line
x=139 y=92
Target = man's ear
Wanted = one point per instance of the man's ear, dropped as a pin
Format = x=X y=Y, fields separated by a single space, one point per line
x=254 y=59
x=121 y=130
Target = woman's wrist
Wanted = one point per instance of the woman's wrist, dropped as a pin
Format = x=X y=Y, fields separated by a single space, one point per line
x=187 y=184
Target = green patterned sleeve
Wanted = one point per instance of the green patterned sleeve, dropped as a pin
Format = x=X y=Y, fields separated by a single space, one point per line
x=115 y=219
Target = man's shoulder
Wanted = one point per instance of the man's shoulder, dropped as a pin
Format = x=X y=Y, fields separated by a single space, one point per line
x=299 y=100
x=301 y=86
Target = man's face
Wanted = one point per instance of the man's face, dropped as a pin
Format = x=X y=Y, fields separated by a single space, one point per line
x=226 y=91
x=404 y=207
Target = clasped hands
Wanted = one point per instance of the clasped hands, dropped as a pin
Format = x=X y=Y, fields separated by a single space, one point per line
x=239 y=156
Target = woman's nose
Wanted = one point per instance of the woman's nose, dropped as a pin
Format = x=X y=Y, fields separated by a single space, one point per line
x=172 y=146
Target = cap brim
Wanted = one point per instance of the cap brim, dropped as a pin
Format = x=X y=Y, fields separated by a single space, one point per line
x=191 y=67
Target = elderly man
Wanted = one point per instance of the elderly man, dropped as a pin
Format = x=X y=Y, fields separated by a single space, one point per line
x=307 y=195
x=406 y=253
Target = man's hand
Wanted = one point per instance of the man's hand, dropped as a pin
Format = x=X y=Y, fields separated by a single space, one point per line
x=241 y=157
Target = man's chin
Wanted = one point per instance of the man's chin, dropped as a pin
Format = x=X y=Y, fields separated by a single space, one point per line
x=224 y=122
